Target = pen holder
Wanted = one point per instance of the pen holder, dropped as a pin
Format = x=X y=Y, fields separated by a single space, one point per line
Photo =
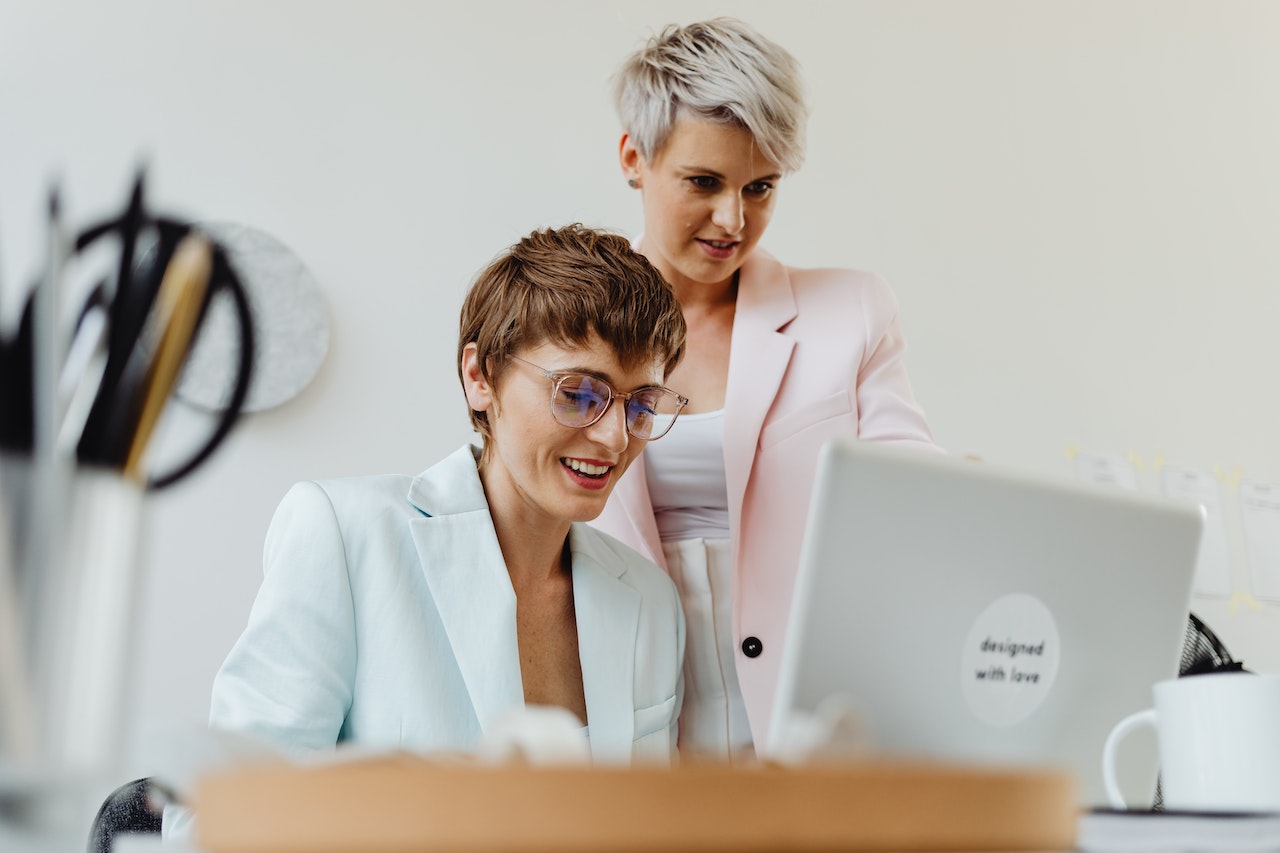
x=69 y=586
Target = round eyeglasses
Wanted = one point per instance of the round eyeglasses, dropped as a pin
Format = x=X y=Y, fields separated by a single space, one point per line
x=579 y=399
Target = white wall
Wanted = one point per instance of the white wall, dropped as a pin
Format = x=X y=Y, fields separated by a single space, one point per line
x=1078 y=204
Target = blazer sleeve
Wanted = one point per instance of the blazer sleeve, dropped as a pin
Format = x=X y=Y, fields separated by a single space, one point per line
x=289 y=677
x=887 y=407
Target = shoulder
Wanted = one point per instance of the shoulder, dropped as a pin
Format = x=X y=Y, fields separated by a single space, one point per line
x=824 y=288
x=868 y=289
x=345 y=503
x=349 y=493
x=632 y=567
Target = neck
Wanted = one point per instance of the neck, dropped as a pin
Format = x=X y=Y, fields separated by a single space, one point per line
x=532 y=566
x=699 y=296
x=535 y=549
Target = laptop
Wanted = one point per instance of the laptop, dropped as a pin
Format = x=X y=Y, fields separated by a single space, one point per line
x=979 y=615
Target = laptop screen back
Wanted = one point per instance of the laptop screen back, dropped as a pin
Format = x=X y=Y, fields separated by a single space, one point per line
x=981 y=615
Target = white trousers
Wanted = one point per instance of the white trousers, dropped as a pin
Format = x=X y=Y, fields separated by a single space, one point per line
x=713 y=723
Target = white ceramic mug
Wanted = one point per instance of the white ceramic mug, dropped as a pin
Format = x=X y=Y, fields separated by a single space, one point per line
x=1219 y=743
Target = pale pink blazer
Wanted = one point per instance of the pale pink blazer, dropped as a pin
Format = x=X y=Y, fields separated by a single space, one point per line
x=815 y=353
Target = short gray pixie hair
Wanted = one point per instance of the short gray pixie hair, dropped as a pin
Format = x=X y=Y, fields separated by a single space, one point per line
x=720 y=70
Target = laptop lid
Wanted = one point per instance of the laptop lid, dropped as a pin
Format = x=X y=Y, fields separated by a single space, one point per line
x=977 y=614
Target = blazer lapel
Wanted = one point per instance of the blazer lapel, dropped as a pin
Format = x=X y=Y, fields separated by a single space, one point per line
x=631 y=494
x=608 y=615
x=463 y=566
x=758 y=359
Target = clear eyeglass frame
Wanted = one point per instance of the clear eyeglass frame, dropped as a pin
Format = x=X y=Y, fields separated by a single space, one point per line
x=647 y=422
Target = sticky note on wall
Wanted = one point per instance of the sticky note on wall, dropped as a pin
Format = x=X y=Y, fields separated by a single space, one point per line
x=1212 y=576
x=1260 y=514
x=1107 y=469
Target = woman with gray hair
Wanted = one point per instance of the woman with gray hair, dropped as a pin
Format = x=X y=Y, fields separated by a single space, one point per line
x=779 y=359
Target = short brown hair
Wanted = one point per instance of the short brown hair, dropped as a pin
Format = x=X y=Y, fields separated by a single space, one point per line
x=561 y=285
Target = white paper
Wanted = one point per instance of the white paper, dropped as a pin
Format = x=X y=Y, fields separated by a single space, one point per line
x=1260 y=511
x=1107 y=469
x=1201 y=487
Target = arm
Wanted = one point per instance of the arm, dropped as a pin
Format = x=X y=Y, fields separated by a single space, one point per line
x=289 y=677
x=887 y=408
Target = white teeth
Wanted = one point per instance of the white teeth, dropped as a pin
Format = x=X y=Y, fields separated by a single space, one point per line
x=586 y=467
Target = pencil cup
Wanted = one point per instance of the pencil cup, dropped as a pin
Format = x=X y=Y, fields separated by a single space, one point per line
x=69 y=585
x=1219 y=742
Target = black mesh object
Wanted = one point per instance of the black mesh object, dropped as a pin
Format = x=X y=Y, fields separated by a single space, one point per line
x=135 y=807
x=1203 y=652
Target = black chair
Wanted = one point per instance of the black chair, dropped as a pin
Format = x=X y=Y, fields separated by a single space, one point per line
x=132 y=808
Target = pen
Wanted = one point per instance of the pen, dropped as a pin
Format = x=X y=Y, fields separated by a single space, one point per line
x=82 y=372
x=46 y=336
x=130 y=302
x=178 y=306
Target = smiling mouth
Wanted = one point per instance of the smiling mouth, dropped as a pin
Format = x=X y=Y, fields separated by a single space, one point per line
x=586 y=469
x=719 y=244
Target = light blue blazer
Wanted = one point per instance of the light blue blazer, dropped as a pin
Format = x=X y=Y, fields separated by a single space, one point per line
x=386 y=617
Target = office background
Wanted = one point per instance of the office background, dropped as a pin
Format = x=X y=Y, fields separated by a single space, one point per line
x=1077 y=203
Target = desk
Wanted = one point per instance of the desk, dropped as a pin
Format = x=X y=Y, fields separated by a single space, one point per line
x=403 y=803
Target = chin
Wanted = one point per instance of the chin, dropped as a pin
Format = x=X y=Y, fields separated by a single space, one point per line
x=586 y=511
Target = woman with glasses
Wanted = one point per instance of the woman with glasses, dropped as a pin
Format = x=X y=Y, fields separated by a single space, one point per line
x=779 y=360
x=413 y=612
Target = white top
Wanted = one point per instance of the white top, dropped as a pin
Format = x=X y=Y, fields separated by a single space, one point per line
x=686 y=478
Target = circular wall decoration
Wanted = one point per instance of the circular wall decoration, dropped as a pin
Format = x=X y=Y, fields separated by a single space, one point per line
x=290 y=324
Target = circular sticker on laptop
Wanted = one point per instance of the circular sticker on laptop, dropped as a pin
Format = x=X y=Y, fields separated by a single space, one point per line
x=1010 y=659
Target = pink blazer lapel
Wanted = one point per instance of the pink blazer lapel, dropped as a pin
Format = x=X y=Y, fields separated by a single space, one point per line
x=629 y=514
x=758 y=359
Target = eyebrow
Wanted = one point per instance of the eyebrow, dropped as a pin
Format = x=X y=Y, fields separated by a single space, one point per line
x=583 y=370
x=700 y=170
x=604 y=377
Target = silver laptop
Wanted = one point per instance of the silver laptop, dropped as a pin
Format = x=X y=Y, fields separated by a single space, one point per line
x=975 y=614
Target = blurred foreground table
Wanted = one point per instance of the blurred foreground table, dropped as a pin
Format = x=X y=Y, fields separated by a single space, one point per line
x=402 y=803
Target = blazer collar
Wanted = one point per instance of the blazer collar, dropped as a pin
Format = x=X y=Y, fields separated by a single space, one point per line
x=758 y=357
x=608 y=614
x=450 y=486
x=759 y=353
x=464 y=568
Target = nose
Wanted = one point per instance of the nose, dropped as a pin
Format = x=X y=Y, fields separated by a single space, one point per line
x=728 y=214
x=610 y=432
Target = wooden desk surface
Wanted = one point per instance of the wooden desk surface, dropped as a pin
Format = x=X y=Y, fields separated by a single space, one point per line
x=403 y=803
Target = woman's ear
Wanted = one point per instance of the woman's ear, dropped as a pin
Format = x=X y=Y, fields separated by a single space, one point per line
x=630 y=160
x=478 y=389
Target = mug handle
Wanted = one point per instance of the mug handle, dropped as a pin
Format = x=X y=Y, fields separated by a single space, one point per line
x=1109 y=749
